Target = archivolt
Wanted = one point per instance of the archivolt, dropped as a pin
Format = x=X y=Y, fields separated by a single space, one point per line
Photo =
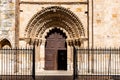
x=57 y=24
x=55 y=16
x=51 y=28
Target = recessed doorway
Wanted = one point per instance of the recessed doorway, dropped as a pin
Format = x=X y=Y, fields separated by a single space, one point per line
x=54 y=49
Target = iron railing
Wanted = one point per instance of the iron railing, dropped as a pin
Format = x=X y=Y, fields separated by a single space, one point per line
x=18 y=62
x=87 y=62
x=97 y=61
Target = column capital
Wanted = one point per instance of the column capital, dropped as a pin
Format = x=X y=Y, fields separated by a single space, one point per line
x=43 y=41
x=76 y=41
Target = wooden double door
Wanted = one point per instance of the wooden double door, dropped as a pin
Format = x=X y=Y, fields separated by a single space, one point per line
x=56 y=51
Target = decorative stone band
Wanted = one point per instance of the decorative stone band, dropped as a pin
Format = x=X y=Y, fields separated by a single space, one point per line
x=35 y=41
x=76 y=42
x=39 y=41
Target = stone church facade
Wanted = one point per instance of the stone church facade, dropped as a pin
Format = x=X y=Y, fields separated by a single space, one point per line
x=55 y=27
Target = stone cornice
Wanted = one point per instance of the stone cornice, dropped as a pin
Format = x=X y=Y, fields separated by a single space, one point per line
x=44 y=3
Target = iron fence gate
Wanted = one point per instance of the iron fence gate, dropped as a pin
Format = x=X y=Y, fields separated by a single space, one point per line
x=17 y=63
x=104 y=62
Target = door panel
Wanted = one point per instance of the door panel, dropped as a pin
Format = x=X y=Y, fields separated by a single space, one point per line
x=49 y=65
x=50 y=59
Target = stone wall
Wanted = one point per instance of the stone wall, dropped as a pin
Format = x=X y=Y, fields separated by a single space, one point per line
x=7 y=20
x=26 y=15
x=106 y=23
x=105 y=19
x=103 y=33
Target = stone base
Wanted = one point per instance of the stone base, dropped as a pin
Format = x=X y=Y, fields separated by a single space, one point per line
x=55 y=73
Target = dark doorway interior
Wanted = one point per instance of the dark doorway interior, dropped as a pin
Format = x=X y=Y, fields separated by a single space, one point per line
x=62 y=60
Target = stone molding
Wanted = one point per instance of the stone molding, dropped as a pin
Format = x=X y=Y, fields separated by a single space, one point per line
x=53 y=16
x=44 y=3
x=76 y=42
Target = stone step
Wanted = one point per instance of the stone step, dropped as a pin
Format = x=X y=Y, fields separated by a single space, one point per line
x=60 y=78
x=94 y=77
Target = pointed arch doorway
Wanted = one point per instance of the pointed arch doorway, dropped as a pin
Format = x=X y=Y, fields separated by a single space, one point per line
x=56 y=50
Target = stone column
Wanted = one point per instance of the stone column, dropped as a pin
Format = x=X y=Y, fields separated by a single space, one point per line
x=37 y=58
x=69 y=57
x=42 y=55
x=71 y=49
x=79 y=55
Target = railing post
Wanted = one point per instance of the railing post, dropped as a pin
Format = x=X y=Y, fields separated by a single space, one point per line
x=33 y=70
x=75 y=68
x=16 y=59
x=92 y=56
x=109 y=65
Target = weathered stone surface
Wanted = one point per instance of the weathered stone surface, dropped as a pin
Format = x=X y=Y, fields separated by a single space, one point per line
x=105 y=32
x=7 y=20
